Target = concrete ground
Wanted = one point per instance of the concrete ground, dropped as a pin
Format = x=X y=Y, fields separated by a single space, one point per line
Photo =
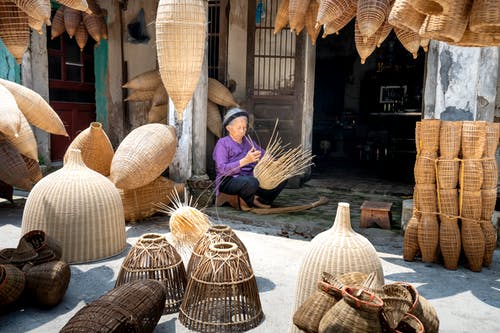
x=465 y=301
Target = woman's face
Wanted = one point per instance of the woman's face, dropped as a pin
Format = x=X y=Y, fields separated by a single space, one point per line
x=237 y=128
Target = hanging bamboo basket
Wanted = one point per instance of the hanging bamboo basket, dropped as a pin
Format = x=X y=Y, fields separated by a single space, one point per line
x=281 y=19
x=335 y=25
x=371 y=14
x=140 y=96
x=297 y=10
x=485 y=17
x=72 y=19
x=14 y=29
x=157 y=114
x=410 y=40
x=160 y=96
x=80 y=5
x=310 y=21
x=38 y=9
x=9 y=113
x=448 y=202
x=47 y=283
x=12 y=282
x=81 y=36
x=149 y=80
x=181 y=27
x=57 y=28
x=13 y=170
x=364 y=45
x=404 y=16
x=432 y=7
x=35 y=24
x=329 y=10
x=214 y=119
x=93 y=26
x=449 y=26
x=219 y=94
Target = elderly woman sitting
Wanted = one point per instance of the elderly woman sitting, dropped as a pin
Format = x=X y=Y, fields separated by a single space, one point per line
x=235 y=157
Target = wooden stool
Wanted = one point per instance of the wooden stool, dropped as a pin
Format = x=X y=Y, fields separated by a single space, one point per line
x=231 y=199
x=376 y=212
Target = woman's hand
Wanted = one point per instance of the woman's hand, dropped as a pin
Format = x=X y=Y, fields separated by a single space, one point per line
x=253 y=155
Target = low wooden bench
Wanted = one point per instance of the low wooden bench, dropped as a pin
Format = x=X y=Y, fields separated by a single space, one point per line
x=376 y=212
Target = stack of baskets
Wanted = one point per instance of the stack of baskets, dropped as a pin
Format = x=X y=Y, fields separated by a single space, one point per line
x=455 y=194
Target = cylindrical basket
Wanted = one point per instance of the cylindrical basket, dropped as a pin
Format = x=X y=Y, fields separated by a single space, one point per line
x=425 y=168
x=310 y=21
x=450 y=242
x=12 y=282
x=470 y=204
x=447 y=173
x=450 y=136
x=411 y=247
x=473 y=244
x=448 y=202
x=47 y=282
x=490 y=241
x=473 y=139
x=471 y=175
x=490 y=173
x=492 y=137
x=428 y=237
x=152 y=257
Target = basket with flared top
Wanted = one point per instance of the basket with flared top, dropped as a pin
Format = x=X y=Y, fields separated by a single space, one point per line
x=411 y=247
x=492 y=137
x=404 y=16
x=215 y=234
x=46 y=247
x=450 y=242
x=422 y=309
x=429 y=135
x=426 y=198
x=448 y=201
x=447 y=173
x=473 y=244
x=47 y=283
x=470 y=204
x=450 y=134
x=153 y=257
x=471 y=175
x=222 y=294
x=485 y=17
x=410 y=324
x=473 y=139
x=425 y=168
x=432 y=7
x=490 y=173
x=428 y=237
x=12 y=282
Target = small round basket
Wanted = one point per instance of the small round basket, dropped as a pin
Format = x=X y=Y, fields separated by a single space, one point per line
x=422 y=309
x=48 y=282
x=12 y=282
x=47 y=248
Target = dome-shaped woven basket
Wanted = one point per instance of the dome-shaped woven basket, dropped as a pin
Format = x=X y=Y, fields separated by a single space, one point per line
x=490 y=241
x=404 y=16
x=432 y=7
x=215 y=234
x=92 y=25
x=219 y=94
x=336 y=251
x=152 y=257
x=10 y=114
x=25 y=142
x=411 y=247
x=12 y=282
x=371 y=15
x=334 y=26
x=80 y=208
x=97 y=151
x=297 y=10
x=149 y=80
x=36 y=110
x=72 y=19
x=428 y=236
x=222 y=293
x=473 y=139
x=448 y=27
x=447 y=173
x=492 y=137
x=329 y=10
x=57 y=28
x=47 y=283
x=450 y=136
x=181 y=27
x=485 y=17
x=473 y=244
x=450 y=242
x=13 y=170
x=143 y=155
x=214 y=119
x=14 y=29
x=132 y=307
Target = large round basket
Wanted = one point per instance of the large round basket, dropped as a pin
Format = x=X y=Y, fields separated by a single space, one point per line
x=222 y=294
x=12 y=282
x=47 y=283
x=152 y=257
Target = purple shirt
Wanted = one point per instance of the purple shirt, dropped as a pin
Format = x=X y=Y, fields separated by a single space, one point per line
x=227 y=155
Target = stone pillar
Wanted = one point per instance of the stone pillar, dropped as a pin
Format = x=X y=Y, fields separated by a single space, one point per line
x=200 y=122
x=181 y=167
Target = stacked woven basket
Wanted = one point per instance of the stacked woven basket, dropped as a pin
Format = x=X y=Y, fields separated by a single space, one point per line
x=455 y=193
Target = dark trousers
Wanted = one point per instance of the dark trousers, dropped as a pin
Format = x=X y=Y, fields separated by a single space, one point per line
x=246 y=187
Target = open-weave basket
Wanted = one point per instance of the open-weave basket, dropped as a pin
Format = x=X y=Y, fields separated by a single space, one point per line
x=395 y=308
x=470 y=204
x=57 y=28
x=10 y=113
x=429 y=135
x=153 y=257
x=281 y=18
x=432 y=7
x=448 y=27
x=97 y=151
x=488 y=203
x=14 y=29
x=490 y=241
x=181 y=27
x=312 y=28
x=47 y=283
x=329 y=10
x=410 y=245
x=473 y=39
x=214 y=119
x=364 y=45
x=334 y=26
x=428 y=237
x=492 y=137
x=80 y=208
x=222 y=293
x=448 y=201
x=473 y=139
x=450 y=241
x=471 y=175
x=447 y=173
x=425 y=168
x=72 y=19
x=404 y=16
x=422 y=309
x=450 y=136
x=215 y=234
x=132 y=307
x=219 y=94
x=13 y=170
x=409 y=39
x=37 y=9
x=12 y=282
x=297 y=10
x=81 y=36
x=92 y=25
x=143 y=155
x=473 y=244
x=371 y=14
x=485 y=17
x=25 y=142
x=426 y=198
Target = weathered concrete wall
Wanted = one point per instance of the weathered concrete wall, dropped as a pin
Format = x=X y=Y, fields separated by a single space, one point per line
x=308 y=109
x=237 y=47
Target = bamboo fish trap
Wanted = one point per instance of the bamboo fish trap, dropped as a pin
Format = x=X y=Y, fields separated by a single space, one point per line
x=14 y=29
x=279 y=164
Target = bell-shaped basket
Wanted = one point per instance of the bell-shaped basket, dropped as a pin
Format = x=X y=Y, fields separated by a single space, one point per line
x=47 y=283
x=14 y=29
x=222 y=293
x=12 y=282
x=153 y=257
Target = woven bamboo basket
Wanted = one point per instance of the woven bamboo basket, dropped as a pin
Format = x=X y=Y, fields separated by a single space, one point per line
x=404 y=16
x=428 y=237
x=93 y=25
x=336 y=251
x=429 y=135
x=36 y=110
x=384 y=32
x=490 y=241
x=422 y=309
x=418 y=141
x=160 y=97
x=215 y=234
x=395 y=308
x=473 y=244
x=450 y=135
x=335 y=25
x=10 y=114
x=46 y=247
x=448 y=201
x=471 y=175
x=329 y=10
x=485 y=17
x=181 y=27
x=432 y=7
x=57 y=28
x=410 y=324
x=25 y=142
x=97 y=151
x=470 y=204
x=12 y=282
x=492 y=138
x=81 y=36
x=424 y=43
x=310 y=21
x=488 y=203
x=219 y=94
x=47 y=283
x=141 y=202
x=411 y=247
x=425 y=168
x=426 y=198
x=447 y=173
x=152 y=257
x=309 y=314
x=13 y=170
x=140 y=96
x=72 y=19
x=338 y=282
x=473 y=139
x=94 y=8
x=158 y=113
x=365 y=46
x=149 y=80
x=80 y=5
x=214 y=119
x=450 y=242
x=133 y=307
x=6 y=192
x=40 y=10
x=281 y=19
x=358 y=311
x=472 y=39
x=297 y=10
x=36 y=25
x=143 y=155
x=371 y=14
x=449 y=26
x=80 y=208
x=222 y=293
x=409 y=39
x=14 y=29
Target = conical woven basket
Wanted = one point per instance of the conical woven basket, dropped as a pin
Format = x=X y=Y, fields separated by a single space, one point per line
x=219 y=94
x=222 y=293
x=215 y=234
x=47 y=283
x=97 y=151
x=136 y=306
x=409 y=39
x=492 y=137
x=80 y=5
x=473 y=139
x=422 y=309
x=488 y=203
x=310 y=21
x=411 y=247
x=152 y=257
x=384 y=32
x=428 y=237
x=214 y=119
x=297 y=10
x=57 y=28
x=471 y=175
x=336 y=251
x=425 y=168
x=36 y=110
x=329 y=10
x=149 y=80
x=158 y=113
x=334 y=26
x=485 y=17
x=141 y=202
x=447 y=173
x=81 y=36
x=450 y=26
x=404 y=16
x=9 y=113
x=93 y=26
x=160 y=96
x=38 y=9
x=450 y=242
x=14 y=29
x=432 y=7
x=490 y=241
x=371 y=15
x=72 y=19
x=143 y=155
x=473 y=243
x=13 y=170
x=181 y=27
x=80 y=208
x=35 y=24
x=25 y=142
x=450 y=136
x=281 y=19
x=365 y=46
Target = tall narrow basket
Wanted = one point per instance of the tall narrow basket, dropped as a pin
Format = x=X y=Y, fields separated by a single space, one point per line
x=152 y=257
x=473 y=139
